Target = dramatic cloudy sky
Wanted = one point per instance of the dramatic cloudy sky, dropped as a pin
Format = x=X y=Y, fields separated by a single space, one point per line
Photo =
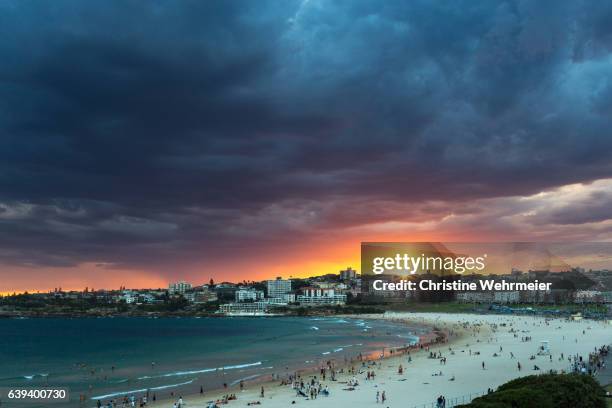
x=148 y=141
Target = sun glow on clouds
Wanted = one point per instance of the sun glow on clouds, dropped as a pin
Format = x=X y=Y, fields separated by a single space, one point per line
x=313 y=238
x=317 y=238
x=536 y=217
x=542 y=216
x=91 y=275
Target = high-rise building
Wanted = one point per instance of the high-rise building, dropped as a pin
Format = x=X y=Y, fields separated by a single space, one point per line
x=278 y=287
x=179 y=287
x=348 y=274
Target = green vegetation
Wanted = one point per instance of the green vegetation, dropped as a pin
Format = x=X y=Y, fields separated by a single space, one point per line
x=40 y=305
x=435 y=307
x=26 y=301
x=545 y=391
x=96 y=303
x=328 y=310
x=572 y=308
x=461 y=307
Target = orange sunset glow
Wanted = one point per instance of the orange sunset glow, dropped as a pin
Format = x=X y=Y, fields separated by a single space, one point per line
x=271 y=140
x=323 y=252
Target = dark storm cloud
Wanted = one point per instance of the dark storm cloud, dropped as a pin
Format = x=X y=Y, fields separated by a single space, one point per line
x=136 y=132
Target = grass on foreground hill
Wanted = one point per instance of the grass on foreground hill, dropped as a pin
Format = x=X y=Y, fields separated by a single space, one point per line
x=460 y=307
x=545 y=391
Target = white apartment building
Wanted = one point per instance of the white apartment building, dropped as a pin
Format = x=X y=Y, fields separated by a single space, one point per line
x=179 y=287
x=129 y=297
x=147 y=298
x=278 y=287
x=247 y=295
x=507 y=297
x=348 y=274
x=280 y=301
x=321 y=296
x=479 y=297
x=289 y=297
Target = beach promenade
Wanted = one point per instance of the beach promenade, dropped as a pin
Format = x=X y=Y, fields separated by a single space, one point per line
x=484 y=352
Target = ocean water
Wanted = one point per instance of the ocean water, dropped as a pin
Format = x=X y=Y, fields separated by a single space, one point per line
x=105 y=358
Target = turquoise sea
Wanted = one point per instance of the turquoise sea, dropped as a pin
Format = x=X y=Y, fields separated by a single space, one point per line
x=105 y=358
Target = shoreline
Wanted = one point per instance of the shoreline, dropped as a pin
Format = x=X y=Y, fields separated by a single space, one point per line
x=334 y=339
x=593 y=311
x=156 y=315
x=434 y=338
x=472 y=339
x=465 y=340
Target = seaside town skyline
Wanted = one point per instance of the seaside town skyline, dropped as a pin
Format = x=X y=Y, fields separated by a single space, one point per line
x=504 y=257
x=249 y=140
x=346 y=288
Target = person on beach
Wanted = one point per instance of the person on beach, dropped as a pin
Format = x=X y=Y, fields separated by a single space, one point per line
x=262 y=392
x=377 y=396
x=383 y=397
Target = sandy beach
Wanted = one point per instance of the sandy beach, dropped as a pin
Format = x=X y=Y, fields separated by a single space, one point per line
x=495 y=340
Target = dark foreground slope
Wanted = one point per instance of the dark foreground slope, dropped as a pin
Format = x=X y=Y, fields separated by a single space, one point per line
x=545 y=391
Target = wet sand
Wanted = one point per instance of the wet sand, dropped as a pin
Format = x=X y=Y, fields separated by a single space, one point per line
x=471 y=340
